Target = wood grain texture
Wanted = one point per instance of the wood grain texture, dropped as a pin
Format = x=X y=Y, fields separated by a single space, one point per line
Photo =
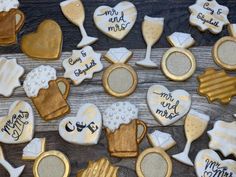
x=175 y=12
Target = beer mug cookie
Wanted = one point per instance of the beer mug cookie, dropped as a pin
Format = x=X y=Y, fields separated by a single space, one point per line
x=224 y=50
x=11 y=21
x=178 y=63
x=122 y=125
x=47 y=92
x=120 y=79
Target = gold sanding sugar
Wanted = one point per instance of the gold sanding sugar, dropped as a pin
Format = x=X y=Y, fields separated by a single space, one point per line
x=178 y=64
x=226 y=52
x=120 y=80
x=154 y=165
x=51 y=166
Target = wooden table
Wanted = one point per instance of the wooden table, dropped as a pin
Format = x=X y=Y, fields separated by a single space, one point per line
x=91 y=91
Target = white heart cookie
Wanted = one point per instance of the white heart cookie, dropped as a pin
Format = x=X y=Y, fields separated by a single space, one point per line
x=18 y=126
x=209 y=164
x=116 y=22
x=85 y=128
x=168 y=107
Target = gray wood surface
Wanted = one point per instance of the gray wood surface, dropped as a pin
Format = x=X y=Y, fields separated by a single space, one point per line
x=91 y=91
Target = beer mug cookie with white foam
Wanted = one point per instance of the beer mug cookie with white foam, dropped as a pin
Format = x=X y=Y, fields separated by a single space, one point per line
x=122 y=125
x=47 y=92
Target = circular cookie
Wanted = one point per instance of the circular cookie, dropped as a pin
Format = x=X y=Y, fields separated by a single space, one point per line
x=224 y=53
x=178 y=64
x=51 y=162
x=154 y=162
x=120 y=80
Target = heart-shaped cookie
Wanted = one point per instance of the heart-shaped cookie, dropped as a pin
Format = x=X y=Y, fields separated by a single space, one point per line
x=85 y=128
x=168 y=107
x=116 y=22
x=209 y=164
x=45 y=43
x=18 y=126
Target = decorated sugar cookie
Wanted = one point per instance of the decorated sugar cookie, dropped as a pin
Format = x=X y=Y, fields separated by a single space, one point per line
x=178 y=63
x=209 y=164
x=116 y=22
x=10 y=75
x=47 y=92
x=82 y=65
x=195 y=125
x=52 y=162
x=161 y=139
x=75 y=13
x=217 y=86
x=224 y=50
x=223 y=137
x=208 y=15
x=13 y=172
x=34 y=149
x=168 y=107
x=11 y=21
x=121 y=122
x=154 y=162
x=85 y=128
x=18 y=126
x=45 y=43
x=102 y=168
x=152 y=29
x=120 y=79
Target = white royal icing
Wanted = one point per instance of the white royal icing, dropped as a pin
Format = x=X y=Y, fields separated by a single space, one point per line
x=34 y=148
x=119 y=113
x=6 y=5
x=38 y=79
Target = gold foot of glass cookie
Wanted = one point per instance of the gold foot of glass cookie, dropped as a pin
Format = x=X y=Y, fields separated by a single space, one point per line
x=45 y=43
x=224 y=50
x=119 y=79
x=178 y=63
x=154 y=162
x=100 y=168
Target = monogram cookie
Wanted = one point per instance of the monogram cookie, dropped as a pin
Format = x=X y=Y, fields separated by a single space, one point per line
x=116 y=22
x=168 y=107
x=223 y=137
x=85 y=128
x=82 y=65
x=10 y=75
x=217 y=86
x=18 y=126
x=209 y=164
x=208 y=15
x=45 y=43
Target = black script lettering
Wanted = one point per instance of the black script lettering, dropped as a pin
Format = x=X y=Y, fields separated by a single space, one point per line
x=206 y=6
x=69 y=127
x=111 y=12
x=79 y=72
x=211 y=21
x=92 y=127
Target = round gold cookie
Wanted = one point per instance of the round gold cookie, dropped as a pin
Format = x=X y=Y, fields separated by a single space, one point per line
x=154 y=162
x=120 y=80
x=51 y=162
x=224 y=52
x=178 y=64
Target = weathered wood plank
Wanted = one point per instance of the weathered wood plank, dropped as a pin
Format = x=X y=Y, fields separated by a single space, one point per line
x=92 y=91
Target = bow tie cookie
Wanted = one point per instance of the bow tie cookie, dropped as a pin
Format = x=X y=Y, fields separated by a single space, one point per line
x=47 y=92
x=11 y=21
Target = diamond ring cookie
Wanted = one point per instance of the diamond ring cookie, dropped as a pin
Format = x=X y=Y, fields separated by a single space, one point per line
x=82 y=65
x=10 y=73
x=208 y=15
x=122 y=127
x=116 y=22
x=47 y=92
x=224 y=50
x=119 y=79
x=154 y=162
x=45 y=43
x=11 y=21
x=178 y=63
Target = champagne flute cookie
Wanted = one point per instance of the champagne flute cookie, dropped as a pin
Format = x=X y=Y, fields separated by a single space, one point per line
x=178 y=63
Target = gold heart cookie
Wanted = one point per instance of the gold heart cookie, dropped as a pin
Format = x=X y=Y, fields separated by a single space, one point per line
x=45 y=43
